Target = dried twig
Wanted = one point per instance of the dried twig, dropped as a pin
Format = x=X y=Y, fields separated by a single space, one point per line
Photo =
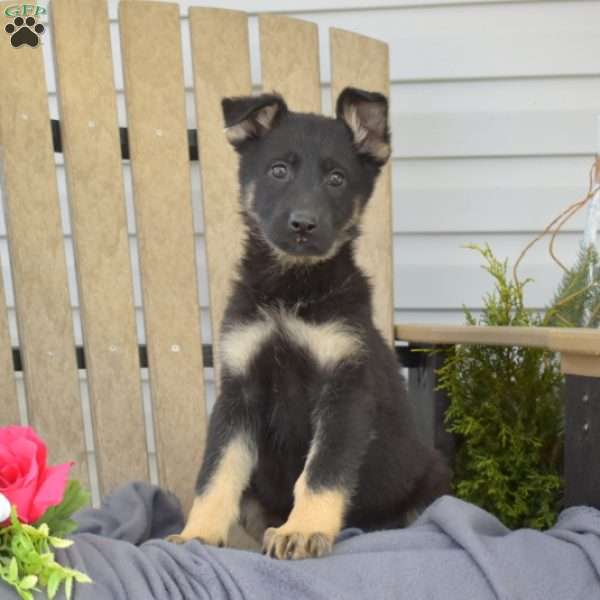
x=557 y=224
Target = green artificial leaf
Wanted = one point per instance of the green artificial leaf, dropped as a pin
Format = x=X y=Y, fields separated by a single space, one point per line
x=68 y=587
x=53 y=584
x=13 y=569
x=58 y=518
x=59 y=542
x=28 y=582
x=81 y=577
x=27 y=562
x=44 y=529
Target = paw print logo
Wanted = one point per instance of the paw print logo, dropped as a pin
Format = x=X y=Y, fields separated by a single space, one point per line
x=24 y=32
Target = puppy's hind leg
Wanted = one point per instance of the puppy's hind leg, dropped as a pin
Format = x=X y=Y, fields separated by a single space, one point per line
x=436 y=481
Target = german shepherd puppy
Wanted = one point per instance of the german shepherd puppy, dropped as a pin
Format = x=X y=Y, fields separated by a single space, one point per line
x=312 y=431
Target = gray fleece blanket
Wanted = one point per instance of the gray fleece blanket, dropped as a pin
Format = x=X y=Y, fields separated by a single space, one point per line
x=454 y=551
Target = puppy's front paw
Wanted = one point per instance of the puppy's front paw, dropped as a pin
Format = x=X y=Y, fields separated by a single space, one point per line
x=207 y=522
x=206 y=537
x=176 y=538
x=284 y=544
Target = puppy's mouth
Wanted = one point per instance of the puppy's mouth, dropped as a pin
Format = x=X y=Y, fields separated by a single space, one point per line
x=300 y=246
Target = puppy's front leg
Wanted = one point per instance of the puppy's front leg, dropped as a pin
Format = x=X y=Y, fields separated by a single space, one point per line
x=313 y=524
x=229 y=460
x=323 y=492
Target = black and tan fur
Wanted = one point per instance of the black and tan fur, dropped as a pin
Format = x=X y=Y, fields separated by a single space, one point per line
x=312 y=431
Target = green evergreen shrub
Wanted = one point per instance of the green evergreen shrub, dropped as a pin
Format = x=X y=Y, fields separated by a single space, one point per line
x=577 y=300
x=506 y=410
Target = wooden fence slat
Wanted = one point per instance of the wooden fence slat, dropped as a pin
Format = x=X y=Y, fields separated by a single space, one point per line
x=152 y=62
x=289 y=55
x=9 y=409
x=38 y=256
x=90 y=136
x=218 y=75
x=363 y=63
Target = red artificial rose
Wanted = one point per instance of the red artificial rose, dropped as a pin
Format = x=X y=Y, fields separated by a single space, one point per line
x=25 y=479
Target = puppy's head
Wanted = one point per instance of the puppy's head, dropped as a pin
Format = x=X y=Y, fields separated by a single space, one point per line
x=305 y=178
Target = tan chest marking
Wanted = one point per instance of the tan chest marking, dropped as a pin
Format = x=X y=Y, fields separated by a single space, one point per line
x=329 y=343
x=242 y=343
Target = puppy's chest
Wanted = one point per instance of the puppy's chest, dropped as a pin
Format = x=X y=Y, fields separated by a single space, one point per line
x=281 y=340
x=283 y=361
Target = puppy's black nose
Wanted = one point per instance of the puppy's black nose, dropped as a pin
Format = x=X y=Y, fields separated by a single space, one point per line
x=302 y=222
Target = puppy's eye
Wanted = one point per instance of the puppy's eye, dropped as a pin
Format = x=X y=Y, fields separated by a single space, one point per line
x=335 y=179
x=279 y=171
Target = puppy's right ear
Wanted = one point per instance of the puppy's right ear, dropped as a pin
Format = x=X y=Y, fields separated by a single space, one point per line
x=251 y=117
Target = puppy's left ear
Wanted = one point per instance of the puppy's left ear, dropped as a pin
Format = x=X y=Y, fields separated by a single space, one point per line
x=366 y=114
